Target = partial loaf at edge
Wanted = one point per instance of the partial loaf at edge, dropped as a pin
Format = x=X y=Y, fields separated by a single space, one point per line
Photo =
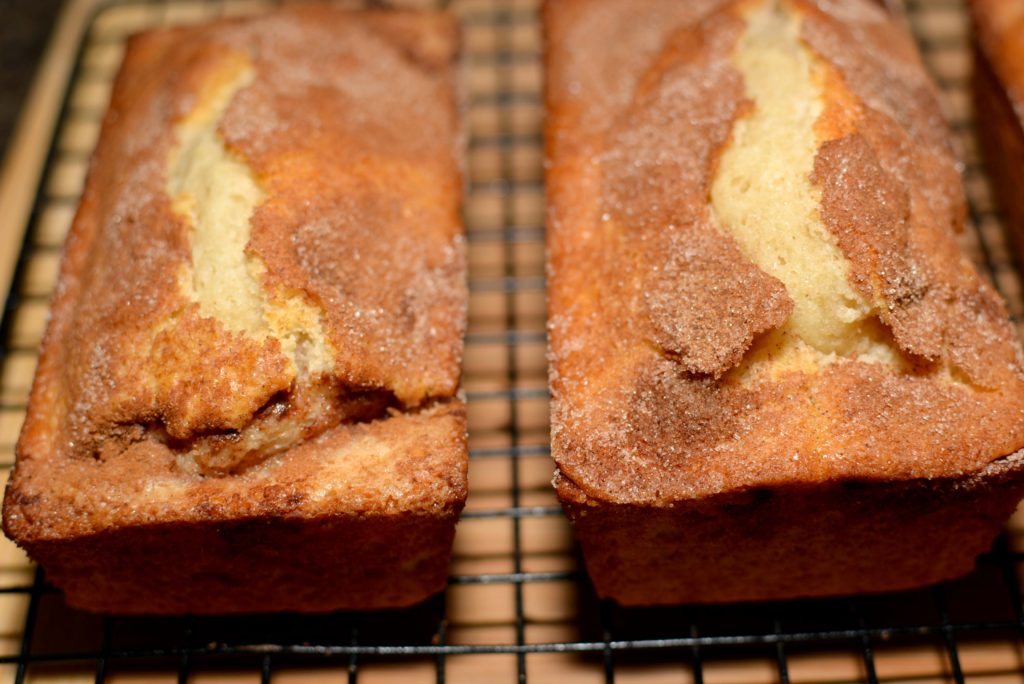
x=246 y=398
x=998 y=85
x=774 y=372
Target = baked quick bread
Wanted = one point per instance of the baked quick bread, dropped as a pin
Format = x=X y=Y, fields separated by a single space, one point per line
x=247 y=394
x=774 y=372
x=998 y=85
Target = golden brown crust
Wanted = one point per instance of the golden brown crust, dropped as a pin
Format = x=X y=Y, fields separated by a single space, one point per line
x=662 y=440
x=408 y=463
x=361 y=219
x=631 y=420
x=793 y=541
x=129 y=570
x=147 y=412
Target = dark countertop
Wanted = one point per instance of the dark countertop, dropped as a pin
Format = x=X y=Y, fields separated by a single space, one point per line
x=25 y=27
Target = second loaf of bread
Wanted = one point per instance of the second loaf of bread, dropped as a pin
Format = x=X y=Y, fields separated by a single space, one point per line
x=774 y=372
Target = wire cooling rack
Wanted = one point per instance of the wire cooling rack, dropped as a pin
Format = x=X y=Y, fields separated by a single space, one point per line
x=519 y=608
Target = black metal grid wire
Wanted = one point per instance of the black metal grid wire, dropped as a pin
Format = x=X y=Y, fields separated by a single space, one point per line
x=948 y=626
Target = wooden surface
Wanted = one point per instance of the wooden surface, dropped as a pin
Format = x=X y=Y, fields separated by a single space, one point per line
x=516 y=580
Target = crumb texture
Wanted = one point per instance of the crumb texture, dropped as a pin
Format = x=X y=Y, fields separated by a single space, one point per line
x=217 y=194
x=762 y=195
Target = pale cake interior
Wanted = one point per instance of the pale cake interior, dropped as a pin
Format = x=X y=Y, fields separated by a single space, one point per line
x=763 y=196
x=217 y=193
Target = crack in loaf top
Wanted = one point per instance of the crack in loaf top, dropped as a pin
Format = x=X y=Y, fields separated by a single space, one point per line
x=693 y=350
x=343 y=126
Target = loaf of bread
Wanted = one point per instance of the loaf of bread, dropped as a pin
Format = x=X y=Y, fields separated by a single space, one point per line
x=774 y=372
x=998 y=85
x=246 y=398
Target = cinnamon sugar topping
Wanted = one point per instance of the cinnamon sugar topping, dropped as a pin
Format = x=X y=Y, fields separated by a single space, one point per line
x=680 y=366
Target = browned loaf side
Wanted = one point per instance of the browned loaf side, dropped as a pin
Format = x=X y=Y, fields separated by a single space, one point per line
x=246 y=398
x=774 y=373
x=998 y=85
